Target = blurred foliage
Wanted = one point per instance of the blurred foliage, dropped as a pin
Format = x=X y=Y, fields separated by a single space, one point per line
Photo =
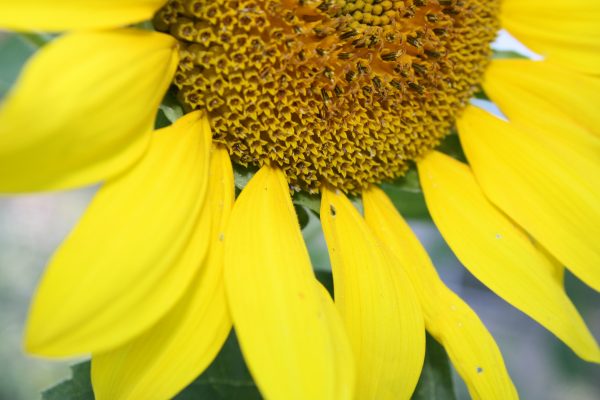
x=78 y=387
x=14 y=51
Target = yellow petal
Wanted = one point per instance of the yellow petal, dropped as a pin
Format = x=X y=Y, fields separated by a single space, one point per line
x=553 y=194
x=344 y=388
x=83 y=109
x=60 y=15
x=377 y=302
x=554 y=106
x=557 y=270
x=498 y=253
x=450 y=320
x=557 y=101
x=282 y=325
x=166 y=358
x=134 y=252
x=566 y=32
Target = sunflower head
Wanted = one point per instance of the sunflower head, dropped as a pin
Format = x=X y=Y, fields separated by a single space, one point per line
x=326 y=96
x=342 y=92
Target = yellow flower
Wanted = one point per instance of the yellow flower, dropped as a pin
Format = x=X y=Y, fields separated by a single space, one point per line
x=324 y=96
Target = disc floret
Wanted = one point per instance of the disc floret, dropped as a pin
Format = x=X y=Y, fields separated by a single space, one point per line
x=343 y=92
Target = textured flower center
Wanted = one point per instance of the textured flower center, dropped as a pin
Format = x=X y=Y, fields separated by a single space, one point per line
x=343 y=92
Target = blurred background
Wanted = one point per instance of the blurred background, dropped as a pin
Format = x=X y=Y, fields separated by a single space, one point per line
x=31 y=227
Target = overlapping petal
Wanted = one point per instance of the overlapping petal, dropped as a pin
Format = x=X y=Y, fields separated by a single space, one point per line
x=345 y=377
x=166 y=358
x=498 y=253
x=552 y=193
x=561 y=104
x=554 y=106
x=379 y=307
x=450 y=320
x=292 y=348
x=134 y=252
x=62 y=15
x=566 y=32
x=83 y=109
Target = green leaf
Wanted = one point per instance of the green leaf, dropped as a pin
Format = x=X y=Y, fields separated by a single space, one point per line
x=310 y=201
x=37 y=40
x=78 y=387
x=507 y=54
x=451 y=145
x=436 y=378
x=409 y=182
x=410 y=204
x=302 y=215
x=14 y=52
x=242 y=175
x=227 y=378
x=326 y=279
x=170 y=107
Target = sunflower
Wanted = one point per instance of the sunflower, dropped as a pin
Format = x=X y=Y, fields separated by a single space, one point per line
x=328 y=97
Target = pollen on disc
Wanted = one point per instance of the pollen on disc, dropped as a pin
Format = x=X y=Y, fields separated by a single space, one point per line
x=346 y=92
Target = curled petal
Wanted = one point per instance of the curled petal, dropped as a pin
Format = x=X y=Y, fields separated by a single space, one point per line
x=83 y=109
x=166 y=358
x=377 y=302
x=292 y=348
x=62 y=15
x=498 y=253
x=133 y=253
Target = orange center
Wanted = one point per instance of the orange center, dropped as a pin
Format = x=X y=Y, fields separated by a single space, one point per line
x=343 y=92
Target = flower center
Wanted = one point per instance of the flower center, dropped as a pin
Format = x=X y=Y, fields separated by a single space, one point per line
x=346 y=92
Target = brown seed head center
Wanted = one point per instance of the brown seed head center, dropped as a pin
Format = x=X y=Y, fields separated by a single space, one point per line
x=346 y=92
